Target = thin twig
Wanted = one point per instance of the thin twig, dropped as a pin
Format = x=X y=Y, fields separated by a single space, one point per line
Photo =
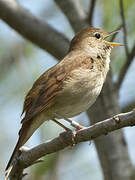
x=124 y=27
x=126 y=67
x=27 y=157
x=91 y=12
x=113 y=37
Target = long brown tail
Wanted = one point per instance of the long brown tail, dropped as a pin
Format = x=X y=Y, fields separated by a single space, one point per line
x=13 y=154
x=24 y=135
x=28 y=128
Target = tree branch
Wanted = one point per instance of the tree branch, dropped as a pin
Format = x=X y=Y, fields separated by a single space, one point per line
x=124 y=27
x=91 y=12
x=113 y=37
x=126 y=67
x=33 y=29
x=74 y=12
x=28 y=157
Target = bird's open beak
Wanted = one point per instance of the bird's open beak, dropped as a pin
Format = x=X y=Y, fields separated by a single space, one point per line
x=112 y=43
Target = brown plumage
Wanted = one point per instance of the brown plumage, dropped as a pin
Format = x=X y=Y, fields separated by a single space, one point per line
x=68 y=88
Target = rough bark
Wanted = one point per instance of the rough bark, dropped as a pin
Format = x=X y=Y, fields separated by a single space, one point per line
x=30 y=156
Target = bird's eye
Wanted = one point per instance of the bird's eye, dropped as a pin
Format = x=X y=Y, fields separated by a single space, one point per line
x=97 y=35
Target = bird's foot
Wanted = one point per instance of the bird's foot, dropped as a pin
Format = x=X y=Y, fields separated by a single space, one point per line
x=76 y=125
x=78 y=128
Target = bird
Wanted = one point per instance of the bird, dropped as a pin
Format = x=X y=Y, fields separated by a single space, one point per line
x=71 y=86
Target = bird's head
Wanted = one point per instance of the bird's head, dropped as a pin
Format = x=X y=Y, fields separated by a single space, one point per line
x=92 y=40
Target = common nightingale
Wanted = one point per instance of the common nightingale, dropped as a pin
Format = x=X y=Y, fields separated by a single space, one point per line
x=71 y=86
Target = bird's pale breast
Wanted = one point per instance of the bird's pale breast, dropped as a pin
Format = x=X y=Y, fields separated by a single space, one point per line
x=79 y=92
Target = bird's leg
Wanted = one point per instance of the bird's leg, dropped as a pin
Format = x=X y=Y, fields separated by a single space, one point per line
x=60 y=124
x=74 y=124
x=67 y=129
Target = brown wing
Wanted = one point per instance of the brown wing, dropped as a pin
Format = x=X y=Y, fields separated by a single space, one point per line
x=43 y=93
